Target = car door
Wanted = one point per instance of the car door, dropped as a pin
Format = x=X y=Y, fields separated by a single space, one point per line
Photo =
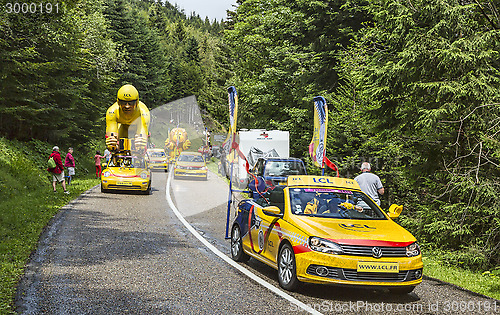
x=266 y=231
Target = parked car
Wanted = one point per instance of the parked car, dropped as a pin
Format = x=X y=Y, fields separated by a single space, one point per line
x=274 y=171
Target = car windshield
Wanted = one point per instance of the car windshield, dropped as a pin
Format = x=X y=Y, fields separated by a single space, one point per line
x=156 y=154
x=333 y=203
x=127 y=161
x=190 y=158
x=284 y=168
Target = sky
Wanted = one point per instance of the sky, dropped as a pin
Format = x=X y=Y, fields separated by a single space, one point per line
x=214 y=9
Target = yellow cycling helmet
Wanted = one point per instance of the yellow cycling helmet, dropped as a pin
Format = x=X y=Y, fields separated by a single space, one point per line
x=127 y=93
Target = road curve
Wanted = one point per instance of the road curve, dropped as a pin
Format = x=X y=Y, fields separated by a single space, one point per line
x=122 y=253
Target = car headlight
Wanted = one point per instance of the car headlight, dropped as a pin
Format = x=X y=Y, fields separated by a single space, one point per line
x=144 y=175
x=204 y=168
x=412 y=250
x=106 y=174
x=325 y=246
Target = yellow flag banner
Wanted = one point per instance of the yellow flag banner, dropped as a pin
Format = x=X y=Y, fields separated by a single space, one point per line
x=317 y=147
x=233 y=113
x=227 y=145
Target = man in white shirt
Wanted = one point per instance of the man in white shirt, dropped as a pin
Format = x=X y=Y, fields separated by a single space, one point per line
x=107 y=155
x=370 y=183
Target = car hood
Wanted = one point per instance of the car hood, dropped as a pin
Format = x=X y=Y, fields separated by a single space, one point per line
x=125 y=172
x=355 y=232
x=163 y=158
x=191 y=164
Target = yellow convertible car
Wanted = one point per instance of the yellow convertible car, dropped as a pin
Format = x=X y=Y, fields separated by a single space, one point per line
x=157 y=159
x=125 y=172
x=322 y=229
x=190 y=164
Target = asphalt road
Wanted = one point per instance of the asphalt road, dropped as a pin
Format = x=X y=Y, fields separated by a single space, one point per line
x=126 y=253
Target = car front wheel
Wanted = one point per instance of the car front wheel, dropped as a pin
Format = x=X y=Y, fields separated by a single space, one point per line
x=103 y=190
x=237 y=252
x=287 y=268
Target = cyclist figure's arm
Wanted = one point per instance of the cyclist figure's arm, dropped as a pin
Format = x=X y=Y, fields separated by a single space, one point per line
x=112 y=126
x=141 y=136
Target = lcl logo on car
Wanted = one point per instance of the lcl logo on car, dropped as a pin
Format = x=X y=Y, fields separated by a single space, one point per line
x=357 y=227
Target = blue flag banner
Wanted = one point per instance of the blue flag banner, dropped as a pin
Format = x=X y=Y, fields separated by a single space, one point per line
x=317 y=147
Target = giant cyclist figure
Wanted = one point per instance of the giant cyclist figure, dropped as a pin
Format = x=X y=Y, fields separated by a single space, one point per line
x=127 y=114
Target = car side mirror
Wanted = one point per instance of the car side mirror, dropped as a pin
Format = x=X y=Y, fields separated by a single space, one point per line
x=272 y=211
x=394 y=211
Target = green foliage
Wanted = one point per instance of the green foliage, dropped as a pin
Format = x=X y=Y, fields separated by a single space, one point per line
x=427 y=75
x=60 y=72
x=412 y=88
x=285 y=55
x=46 y=74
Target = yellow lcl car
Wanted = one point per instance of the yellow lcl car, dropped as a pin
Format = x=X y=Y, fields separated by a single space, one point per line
x=158 y=160
x=125 y=172
x=322 y=229
x=190 y=164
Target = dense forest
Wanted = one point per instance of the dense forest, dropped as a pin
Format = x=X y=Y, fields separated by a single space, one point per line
x=60 y=71
x=412 y=87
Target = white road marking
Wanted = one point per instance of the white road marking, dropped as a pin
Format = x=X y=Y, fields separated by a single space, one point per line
x=231 y=262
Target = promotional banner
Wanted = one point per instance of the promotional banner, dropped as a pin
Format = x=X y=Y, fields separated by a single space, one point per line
x=233 y=113
x=233 y=108
x=317 y=146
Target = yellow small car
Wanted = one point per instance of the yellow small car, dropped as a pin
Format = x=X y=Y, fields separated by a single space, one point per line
x=190 y=164
x=158 y=160
x=126 y=172
x=322 y=229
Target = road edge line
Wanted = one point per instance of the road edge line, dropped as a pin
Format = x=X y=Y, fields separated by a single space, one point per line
x=231 y=262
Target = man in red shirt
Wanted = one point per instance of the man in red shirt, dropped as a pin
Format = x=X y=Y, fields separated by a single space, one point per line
x=58 y=171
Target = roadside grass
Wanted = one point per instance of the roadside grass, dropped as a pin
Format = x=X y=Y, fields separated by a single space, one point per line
x=213 y=166
x=484 y=283
x=27 y=204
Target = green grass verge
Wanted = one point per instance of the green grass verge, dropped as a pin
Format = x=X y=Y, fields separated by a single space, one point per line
x=27 y=204
x=212 y=165
x=485 y=283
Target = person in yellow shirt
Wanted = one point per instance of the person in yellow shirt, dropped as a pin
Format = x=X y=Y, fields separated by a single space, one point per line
x=127 y=114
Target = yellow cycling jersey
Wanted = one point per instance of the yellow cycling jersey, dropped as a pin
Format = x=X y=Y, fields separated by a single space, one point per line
x=116 y=120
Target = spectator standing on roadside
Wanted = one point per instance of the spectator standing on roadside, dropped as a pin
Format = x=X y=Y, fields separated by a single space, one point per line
x=69 y=162
x=370 y=183
x=107 y=155
x=97 y=159
x=58 y=171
